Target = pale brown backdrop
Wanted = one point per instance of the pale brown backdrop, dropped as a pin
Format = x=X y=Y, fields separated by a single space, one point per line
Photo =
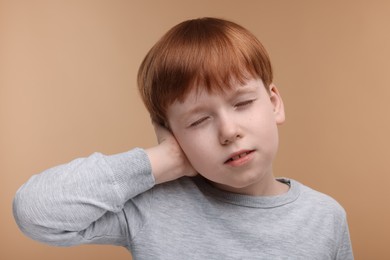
x=67 y=89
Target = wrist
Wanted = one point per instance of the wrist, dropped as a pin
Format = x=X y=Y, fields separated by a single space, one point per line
x=164 y=163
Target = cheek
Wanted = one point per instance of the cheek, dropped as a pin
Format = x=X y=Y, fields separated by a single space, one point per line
x=265 y=129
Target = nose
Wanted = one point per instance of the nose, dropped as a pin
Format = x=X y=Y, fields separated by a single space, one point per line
x=229 y=131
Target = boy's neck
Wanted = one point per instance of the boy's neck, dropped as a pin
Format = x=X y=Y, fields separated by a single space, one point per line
x=271 y=187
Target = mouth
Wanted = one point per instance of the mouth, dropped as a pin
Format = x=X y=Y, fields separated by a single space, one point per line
x=238 y=155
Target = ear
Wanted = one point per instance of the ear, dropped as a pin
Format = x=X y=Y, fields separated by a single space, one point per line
x=277 y=103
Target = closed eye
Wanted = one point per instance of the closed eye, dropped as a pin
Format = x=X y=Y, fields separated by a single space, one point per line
x=198 y=122
x=245 y=103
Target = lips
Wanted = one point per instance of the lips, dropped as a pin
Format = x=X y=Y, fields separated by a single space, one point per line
x=238 y=155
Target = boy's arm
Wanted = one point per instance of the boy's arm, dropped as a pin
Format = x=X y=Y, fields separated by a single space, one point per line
x=59 y=205
x=82 y=201
x=344 y=251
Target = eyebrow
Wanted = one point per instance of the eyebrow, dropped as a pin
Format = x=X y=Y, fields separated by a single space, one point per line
x=192 y=111
x=245 y=89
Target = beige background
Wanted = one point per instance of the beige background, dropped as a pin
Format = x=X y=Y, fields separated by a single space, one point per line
x=67 y=89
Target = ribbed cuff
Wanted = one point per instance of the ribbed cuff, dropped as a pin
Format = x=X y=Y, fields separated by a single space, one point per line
x=132 y=172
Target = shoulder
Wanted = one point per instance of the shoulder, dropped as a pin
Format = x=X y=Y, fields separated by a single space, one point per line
x=318 y=201
x=180 y=191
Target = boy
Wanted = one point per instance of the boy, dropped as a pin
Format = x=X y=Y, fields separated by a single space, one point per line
x=207 y=190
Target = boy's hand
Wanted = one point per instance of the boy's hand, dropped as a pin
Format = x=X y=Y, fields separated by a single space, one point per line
x=167 y=158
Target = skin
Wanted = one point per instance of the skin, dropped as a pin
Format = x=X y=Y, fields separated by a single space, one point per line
x=209 y=130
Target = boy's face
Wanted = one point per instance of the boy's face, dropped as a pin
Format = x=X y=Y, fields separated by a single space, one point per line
x=231 y=139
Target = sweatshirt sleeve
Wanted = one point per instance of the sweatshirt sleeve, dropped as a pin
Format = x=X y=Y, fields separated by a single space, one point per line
x=82 y=201
x=344 y=251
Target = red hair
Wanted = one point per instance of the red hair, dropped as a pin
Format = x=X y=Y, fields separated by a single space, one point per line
x=205 y=53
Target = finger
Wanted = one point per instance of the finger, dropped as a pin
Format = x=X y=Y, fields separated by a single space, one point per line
x=162 y=133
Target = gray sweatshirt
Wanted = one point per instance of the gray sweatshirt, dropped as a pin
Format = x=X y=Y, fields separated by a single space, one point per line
x=114 y=200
